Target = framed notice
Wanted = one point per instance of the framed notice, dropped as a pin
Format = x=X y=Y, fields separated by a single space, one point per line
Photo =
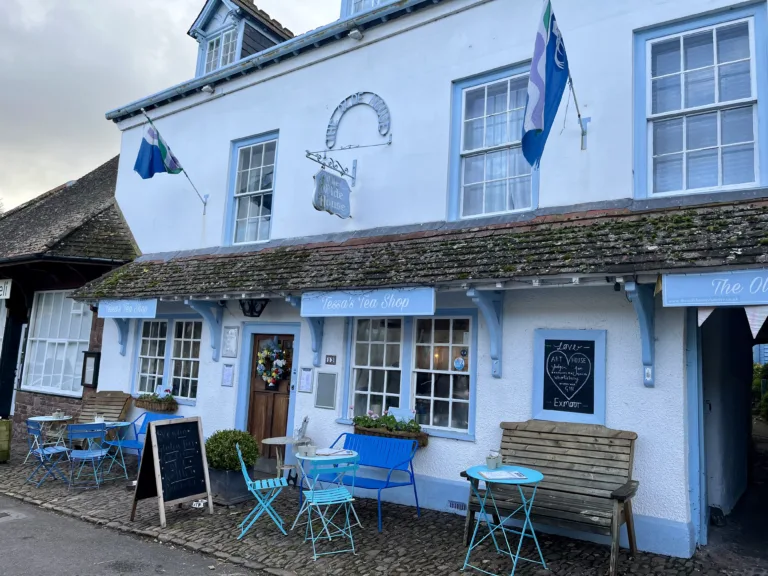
x=569 y=376
x=229 y=345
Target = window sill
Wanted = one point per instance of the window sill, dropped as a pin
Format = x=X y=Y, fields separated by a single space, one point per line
x=450 y=434
x=345 y=421
x=48 y=392
x=701 y=191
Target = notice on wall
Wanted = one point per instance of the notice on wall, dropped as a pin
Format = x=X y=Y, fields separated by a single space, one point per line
x=569 y=376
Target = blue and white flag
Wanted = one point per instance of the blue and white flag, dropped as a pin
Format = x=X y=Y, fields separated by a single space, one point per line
x=549 y=76
x=155 y=155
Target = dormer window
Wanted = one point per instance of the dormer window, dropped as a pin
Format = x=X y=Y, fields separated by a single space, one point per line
x=221 y=51
x=357 y=6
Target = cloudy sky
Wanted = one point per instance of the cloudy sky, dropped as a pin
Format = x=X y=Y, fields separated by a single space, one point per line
x=64 y=63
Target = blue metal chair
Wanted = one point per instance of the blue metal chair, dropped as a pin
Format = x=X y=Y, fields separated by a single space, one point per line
x=48 y=457
x=331 y=506
x=90 y=438
x=265 y=492
x=137 y=443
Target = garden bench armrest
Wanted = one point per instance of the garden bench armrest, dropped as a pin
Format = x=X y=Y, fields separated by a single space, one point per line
x=625 y=492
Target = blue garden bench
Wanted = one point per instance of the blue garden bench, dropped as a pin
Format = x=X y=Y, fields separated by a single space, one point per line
x=390 y=454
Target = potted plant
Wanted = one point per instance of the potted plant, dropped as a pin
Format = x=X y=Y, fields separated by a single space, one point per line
x=156 y=403
x=5 y=440
x=390 y=427
x=227 y=482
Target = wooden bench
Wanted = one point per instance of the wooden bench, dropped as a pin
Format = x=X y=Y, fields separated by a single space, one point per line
x=587 y=483
x=112 y=405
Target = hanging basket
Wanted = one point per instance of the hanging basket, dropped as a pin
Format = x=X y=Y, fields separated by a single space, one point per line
x=154 y=406
x=421 y=437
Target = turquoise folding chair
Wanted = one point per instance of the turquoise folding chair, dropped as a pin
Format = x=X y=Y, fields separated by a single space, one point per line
x=92 y=452
x=47 y=457
x=265 y=492
x=329 y=509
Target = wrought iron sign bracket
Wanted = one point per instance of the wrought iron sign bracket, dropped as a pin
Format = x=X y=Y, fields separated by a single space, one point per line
x=316 y=326
x=490 y=305
x=122 y=333
x=213 y=314
x=641 y=296
x=332 y=164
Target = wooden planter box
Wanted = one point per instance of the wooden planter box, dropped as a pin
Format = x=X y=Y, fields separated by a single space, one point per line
x=5 y=440
x=422 y=437
x=156 y=406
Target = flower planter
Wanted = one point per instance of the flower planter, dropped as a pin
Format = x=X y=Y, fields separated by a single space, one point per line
x=5 y=440
x=228 y=487
x=421 y=437
x=153 y=406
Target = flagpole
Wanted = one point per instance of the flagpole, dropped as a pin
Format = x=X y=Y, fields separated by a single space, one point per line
x=578 y=111
x=203 y=199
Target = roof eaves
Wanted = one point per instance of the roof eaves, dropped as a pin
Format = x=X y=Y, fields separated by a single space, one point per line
x=297 y=45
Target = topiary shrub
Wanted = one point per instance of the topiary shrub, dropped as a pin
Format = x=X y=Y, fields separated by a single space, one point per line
x=221 y=452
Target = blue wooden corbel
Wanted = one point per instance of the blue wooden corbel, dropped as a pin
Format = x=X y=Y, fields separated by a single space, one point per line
x=490 y=305
x=641 y=296
x=122 y=333
x=213 y=314
x=316 y=326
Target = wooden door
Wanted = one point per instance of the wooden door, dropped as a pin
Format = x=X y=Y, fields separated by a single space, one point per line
x=268 y=409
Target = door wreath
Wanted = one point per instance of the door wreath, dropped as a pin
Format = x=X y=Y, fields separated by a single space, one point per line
x=271 y=366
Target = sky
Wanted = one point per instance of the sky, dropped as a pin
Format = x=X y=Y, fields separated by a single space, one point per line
x=65 y=63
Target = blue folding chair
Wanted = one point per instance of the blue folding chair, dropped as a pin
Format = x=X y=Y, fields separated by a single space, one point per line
x=93 y=451
x=136 y=443
x=48 y=457
x=265 y=492
x=331 y=506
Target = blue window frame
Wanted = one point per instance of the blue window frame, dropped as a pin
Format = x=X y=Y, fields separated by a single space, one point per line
x=569 y=376
x=427 y=365
x=699 y=125
x=252 y=185
x=488 y=173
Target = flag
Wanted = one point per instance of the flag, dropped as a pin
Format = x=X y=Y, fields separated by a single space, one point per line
x=155 y=156
x=549 y=76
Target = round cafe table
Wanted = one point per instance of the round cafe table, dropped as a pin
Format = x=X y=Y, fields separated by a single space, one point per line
x=280 y=443
x=120 y=430
x=488 y=509
x=52 y=430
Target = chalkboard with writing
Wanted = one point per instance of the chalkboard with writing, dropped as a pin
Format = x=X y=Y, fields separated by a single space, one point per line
x=173 y=466
x=569 y=376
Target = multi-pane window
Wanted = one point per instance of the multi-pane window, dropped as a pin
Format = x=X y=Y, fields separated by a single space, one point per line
x=253 y=191
x=186 y=358
x=495 y=176
x=152 y=356
x=358 y=6
x=702 y=111
x=220 y=51
x=441 y=372
x=376 y=366
x=58 y=335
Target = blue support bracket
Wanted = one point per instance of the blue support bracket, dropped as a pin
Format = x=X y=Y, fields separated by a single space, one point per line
x=213 y=314
x=122 y=333
x=490 y=305
x=641 y=296
x=316 y=326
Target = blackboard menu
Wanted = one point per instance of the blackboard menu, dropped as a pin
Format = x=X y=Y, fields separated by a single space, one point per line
x=569 y=376
x=181 y=460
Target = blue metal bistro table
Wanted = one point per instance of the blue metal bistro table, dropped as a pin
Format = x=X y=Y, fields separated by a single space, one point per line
x=498 y=531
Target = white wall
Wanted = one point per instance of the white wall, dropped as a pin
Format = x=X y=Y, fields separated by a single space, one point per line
x=411 y=63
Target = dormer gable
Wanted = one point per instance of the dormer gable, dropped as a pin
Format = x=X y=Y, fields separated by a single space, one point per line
x=229 y=30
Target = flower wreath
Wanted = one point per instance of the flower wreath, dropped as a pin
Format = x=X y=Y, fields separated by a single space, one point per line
x=271 y=364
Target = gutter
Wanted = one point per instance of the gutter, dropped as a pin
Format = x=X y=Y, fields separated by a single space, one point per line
x=304 y=43
x=41 y=257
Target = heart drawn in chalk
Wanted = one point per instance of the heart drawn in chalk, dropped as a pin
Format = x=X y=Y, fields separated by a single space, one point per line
x=569 y=374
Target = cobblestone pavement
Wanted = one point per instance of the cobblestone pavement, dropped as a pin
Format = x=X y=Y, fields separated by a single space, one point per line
x=430 y=545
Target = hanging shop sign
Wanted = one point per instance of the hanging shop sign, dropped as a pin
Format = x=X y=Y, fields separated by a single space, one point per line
x=360 y=98
x=5 y=289
x=376 y=303
x=332 y=194
x=738 y=288
x=128 y=308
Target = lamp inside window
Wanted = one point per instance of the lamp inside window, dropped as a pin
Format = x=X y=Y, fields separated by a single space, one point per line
x=90 y=374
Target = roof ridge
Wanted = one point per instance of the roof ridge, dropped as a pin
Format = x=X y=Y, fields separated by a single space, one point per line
x=35 y=200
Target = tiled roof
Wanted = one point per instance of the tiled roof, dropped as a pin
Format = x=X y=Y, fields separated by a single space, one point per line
x=616 y=242
x=79 y=219
x=255 y=12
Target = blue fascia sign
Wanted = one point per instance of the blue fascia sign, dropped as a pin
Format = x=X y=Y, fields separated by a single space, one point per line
x=377 y=303
x=733 y=288
x=128 y=308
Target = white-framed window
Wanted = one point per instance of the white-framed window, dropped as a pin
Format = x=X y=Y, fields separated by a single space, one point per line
x=701 y=109
x=495 y=176
x=442 y=356
x=357 y=6
x=254 y=187
x=169 y=357
x=59 y=333
x=376 y=366
x=154 y=336
x=220 y=51
x=186 y=358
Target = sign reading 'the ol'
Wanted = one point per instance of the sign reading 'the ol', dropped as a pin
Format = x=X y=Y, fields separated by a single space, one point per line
x=387 y=302
x=739 y=288
x=128 y=308
x=332 y=194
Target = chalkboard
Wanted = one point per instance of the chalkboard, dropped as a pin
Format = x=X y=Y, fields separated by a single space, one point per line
x=569 y=376
x=173 y=466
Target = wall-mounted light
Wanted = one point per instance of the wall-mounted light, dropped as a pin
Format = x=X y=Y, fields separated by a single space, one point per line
x=90 y=377
x=253 y=307
x=356 y=34
x=208 y=89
